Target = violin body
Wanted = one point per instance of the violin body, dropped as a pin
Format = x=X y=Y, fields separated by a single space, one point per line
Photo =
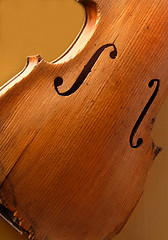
x=75 y=134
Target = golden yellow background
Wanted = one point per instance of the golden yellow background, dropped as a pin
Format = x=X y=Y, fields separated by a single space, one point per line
x=48 y=27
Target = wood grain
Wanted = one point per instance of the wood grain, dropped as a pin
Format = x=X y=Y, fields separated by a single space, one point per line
x=67 y=168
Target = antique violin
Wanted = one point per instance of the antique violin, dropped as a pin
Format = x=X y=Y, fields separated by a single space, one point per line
x=75 y=134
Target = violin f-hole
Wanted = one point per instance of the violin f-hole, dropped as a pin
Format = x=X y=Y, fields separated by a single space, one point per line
x=143 y=113
x=86 y=70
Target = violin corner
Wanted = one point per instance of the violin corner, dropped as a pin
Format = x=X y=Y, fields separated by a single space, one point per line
x=31 y=62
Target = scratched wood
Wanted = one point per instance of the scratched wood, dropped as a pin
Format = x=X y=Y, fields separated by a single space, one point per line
x=76 y=144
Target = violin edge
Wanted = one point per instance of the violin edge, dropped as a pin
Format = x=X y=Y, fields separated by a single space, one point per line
x=92 y=17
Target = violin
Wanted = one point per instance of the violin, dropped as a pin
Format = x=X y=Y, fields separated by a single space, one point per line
x=75 y=134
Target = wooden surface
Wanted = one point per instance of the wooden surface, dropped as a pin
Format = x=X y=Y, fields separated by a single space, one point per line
x=87 y=188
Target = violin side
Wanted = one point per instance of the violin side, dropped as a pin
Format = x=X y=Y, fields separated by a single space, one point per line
x=76 y=144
